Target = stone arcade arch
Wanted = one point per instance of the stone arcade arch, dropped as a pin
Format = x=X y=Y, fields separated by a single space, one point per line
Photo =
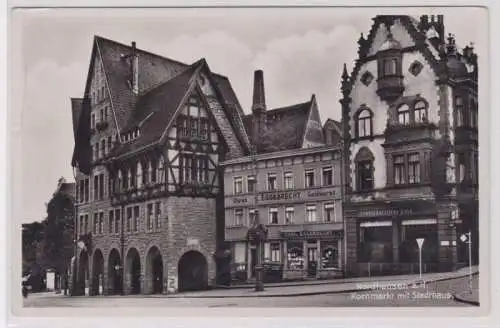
x=97 y=273
x=193 y=272
x=133 y=271
x=154 y=272
x=83 y=272
x=115 y=279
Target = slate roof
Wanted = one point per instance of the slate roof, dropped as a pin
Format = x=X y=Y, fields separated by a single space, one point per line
x=76 y=108
x=162 y=84
x=285 y=127
x=156 y=109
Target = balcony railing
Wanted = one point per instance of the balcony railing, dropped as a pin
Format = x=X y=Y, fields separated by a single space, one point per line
x=390 y=87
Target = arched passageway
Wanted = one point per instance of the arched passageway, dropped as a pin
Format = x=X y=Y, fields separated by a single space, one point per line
x=115 y=279
x=83 y=272
x=133 y=266
x=154 y=271
x=97 y=272
x=193 y=272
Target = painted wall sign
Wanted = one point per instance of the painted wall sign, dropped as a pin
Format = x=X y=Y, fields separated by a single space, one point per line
x=370 y=213
x=312 y=234
x=280 y=195
x=240 y=200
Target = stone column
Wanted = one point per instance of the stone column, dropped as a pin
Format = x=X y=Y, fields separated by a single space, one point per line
x=318 y=258
x=172 y=276
x=305 y=256
x=105 y=278
x=144 y=279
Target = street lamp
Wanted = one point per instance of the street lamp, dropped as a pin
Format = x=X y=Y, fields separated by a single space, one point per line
x=420 y=242
x=467 y=238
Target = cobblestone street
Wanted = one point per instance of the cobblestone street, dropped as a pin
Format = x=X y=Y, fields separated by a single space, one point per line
x=432 y=294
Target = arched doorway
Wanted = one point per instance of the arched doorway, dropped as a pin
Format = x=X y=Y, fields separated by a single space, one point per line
x=83 y=272
x=134 y=271
x=193 y=271
x=97 y=272
x=115 y=280
x=154 y=271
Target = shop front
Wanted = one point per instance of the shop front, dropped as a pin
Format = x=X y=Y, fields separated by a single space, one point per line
x=386 y=238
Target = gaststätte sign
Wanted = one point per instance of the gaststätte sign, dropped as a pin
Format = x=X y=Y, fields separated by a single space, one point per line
x=312 y=234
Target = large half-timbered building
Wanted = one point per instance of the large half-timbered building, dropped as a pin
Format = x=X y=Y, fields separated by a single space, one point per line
x=149 y=135
x=410 y=123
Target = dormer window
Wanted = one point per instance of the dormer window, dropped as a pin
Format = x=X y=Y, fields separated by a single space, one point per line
x=420 y=112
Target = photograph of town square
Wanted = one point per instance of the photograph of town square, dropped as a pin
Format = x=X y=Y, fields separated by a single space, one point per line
x=343 y=172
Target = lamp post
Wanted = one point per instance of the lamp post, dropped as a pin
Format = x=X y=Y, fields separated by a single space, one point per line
x=257 y=233
x=467 y=238
x=420 y=242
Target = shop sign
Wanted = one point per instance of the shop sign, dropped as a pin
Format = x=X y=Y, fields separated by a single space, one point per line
x=312 y=234
x=240 y=200
x=297 y=195
x=390 y=212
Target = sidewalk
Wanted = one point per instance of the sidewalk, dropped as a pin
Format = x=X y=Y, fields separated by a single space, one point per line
x=469 y=296
x=326 y=287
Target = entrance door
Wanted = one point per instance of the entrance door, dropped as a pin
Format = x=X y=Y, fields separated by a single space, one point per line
x=253 y=261
x=312 y=262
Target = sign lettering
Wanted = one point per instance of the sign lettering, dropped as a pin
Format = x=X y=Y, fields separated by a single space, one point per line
x=385 y=212
x=239 y=200
x=313 y=234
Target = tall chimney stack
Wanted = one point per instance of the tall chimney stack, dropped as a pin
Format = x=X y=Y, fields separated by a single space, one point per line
x=259 y=115
x=135 y=69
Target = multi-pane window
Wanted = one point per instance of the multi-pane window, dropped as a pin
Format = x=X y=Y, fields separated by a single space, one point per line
x=158 y=215
x=414 y=168
x=399 y=169
x=101 y=222
x=365 y=175
x=459 y=105
x=275 y=252
x=103 y=147
x=111 y=221
x=390 y=67
x=129 y=219
x=86 y=223
x=289 y=214
x=404 y=114
x=138 y=176
x=149 y=217
x=420 y=112
x=96 y=151
x=271 y=181
x=251 y=216
x=136 y=218
x=117 y=220
x=96 y=223
x=101 y=186
x=329 y=213
x=87 y=189
x=238 y=216
x=311 y=213
x=288 y=180
x=273 y=216
x=473 y=113
x=309 y=178
x=92 y=121
x=251 y=183
x=364 y=123
x=96 y=187
x=81 y=231
x=238 y=185
x=203 y=129
x=194 y=168
x=327 y=176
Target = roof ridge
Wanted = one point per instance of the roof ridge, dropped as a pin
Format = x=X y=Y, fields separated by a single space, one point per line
x=290 y=106
x=150 y=53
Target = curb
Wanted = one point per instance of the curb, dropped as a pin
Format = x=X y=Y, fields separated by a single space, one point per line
x=458 y=297
x=343 y=291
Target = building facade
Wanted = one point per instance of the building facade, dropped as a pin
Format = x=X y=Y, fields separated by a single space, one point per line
x=410 y=119
x=292 y=185
x=150 y=133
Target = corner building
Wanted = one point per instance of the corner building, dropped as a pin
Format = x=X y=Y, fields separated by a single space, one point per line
x=150 y=133
x=293 y=182
x=410 y=122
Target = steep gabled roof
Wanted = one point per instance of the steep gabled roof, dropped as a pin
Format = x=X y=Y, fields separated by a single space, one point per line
x=335 y=124
x=285 y=127
x=76 y=109
x=155 y=110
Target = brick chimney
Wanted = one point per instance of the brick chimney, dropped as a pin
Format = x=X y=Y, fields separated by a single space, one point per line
x=259 y=115
x=135 y=69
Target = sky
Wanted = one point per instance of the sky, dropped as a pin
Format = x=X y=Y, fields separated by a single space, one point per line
x=300 y=50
